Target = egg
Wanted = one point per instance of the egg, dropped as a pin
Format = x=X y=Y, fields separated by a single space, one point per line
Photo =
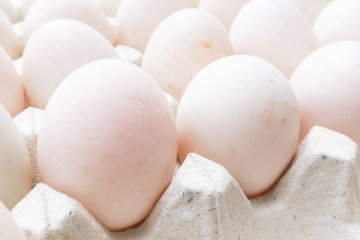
x=15 y=171
x=42 y=11
x=224 y=10
x=55 y=50
x=108 y=140
x=273 y=30
x=7 y=7
x=327 y=86
x=240 y=112
x=340 y=20
x=311 y=8
x=8 y=39
x=11 y=88
x=181 y=46
x=8 y=227
x=137 y=19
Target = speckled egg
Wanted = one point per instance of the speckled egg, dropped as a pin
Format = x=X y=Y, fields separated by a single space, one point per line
x=182 y=45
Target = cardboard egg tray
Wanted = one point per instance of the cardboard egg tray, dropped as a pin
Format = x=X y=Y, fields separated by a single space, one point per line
x=317 y=198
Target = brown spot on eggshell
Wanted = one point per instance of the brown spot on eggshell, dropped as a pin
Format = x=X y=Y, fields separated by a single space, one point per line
x=284 y=121
x=174 y=90
x=266 y=117
x=86 y=169
x=207 y=44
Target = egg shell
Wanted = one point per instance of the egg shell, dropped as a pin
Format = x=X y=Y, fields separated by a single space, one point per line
x=241 y=112
x=181 y=46
x=85 y=11
x=340 y=20
x=8 y=227
x=8 y=39
x=224 y=10
x=136 y=20
x=11 y=89
x=15 y=172
x=55 y=50
x=273 y=30
x=108 y=140
x=327 y=86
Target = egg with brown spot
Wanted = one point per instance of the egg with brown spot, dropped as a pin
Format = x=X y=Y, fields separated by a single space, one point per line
x=184 y=43
x=239 y=111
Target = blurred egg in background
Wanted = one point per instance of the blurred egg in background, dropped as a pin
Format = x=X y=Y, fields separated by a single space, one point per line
x=55 y=50
x=340 y=20
x=327 y=86
x=181 y=46
x=136 y=20
x=273 y=30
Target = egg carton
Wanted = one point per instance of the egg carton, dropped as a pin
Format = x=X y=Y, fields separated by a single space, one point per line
x=317 y=198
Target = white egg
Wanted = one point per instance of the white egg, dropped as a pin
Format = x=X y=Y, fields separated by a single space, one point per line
x=182 y=45
x=310 y=8
x=340 y=20
x=9 y=230
x=224 y=10
x=85 y=11
x=15 y=171
x=11 y=88
x=7 y=7
x=241 y=112
x=8 y=38
x=137 y=19
x=55 y=50
x=327 y=86
x=108 y=140
x=273 y=30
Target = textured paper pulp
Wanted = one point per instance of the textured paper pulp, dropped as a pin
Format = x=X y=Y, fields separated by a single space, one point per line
x=28 y=123
x=317 y=198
